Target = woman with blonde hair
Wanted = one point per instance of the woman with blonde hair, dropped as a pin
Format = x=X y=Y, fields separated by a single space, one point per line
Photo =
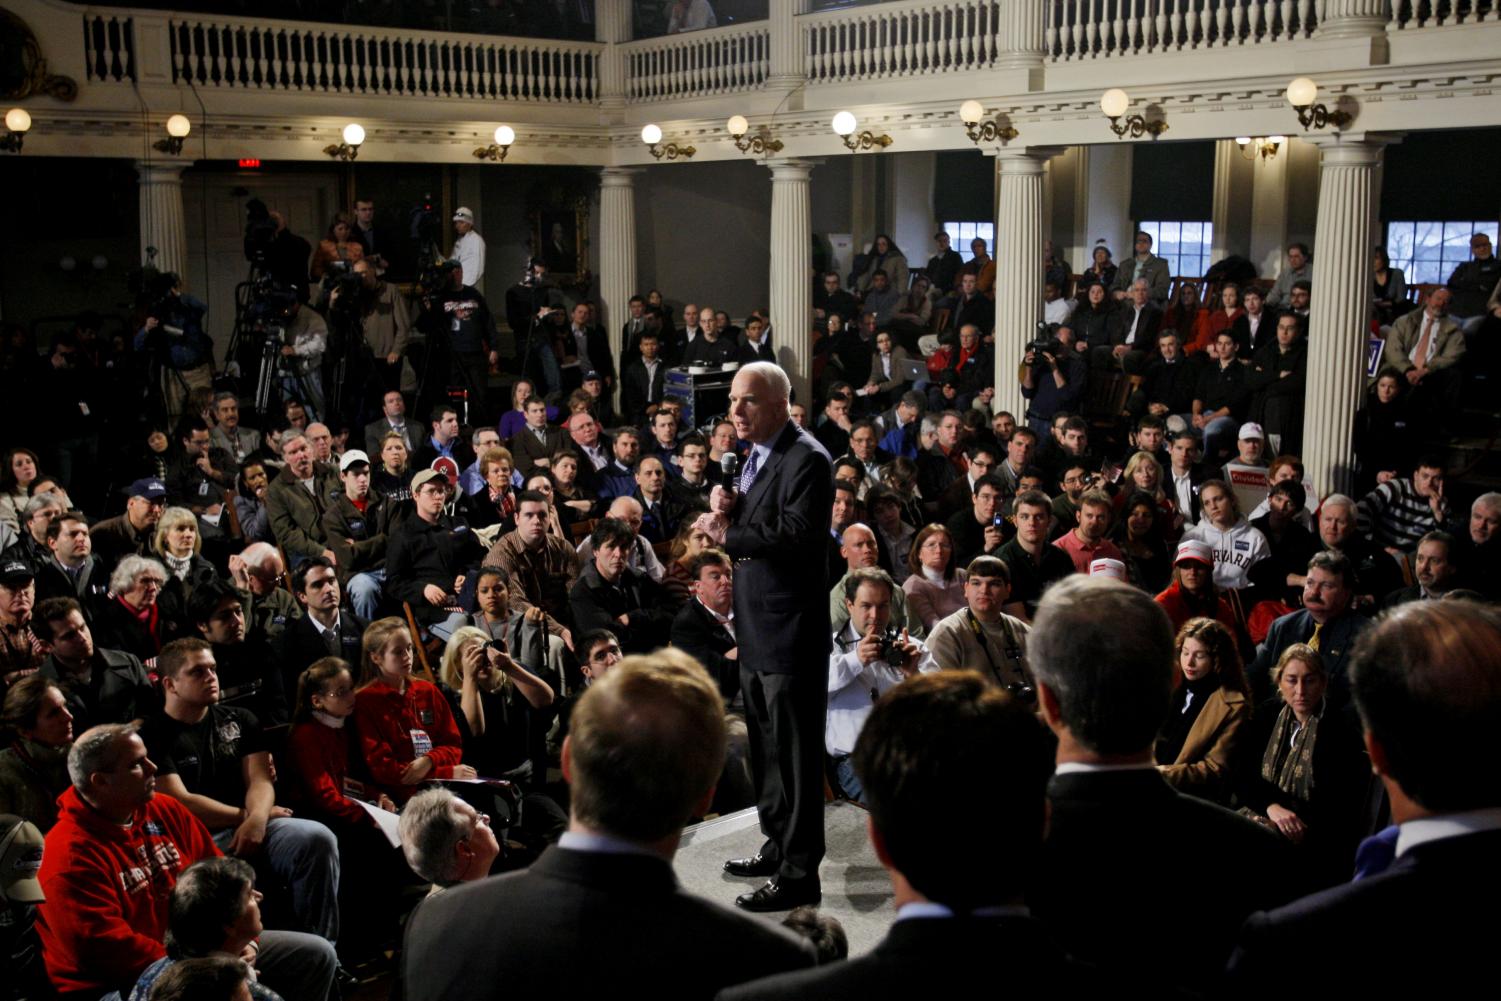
x=178 y=543
x=1211 y=708
x=391 y=475
x=500 y=708
x=1302 y=770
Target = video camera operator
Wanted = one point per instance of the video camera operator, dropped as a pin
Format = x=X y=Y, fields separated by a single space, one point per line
x=275 y=250
x=172 y=340
x=460 y=343
x=534 y=308
x=304 y=342
x=384 y=318
x=1054 y=376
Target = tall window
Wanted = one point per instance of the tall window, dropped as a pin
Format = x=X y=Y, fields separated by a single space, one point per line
x=1430 y=251
x=1184 y=245
x=962 y=233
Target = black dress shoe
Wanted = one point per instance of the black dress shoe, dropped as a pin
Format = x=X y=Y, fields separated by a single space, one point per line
x=756 y=865
x=781 y=895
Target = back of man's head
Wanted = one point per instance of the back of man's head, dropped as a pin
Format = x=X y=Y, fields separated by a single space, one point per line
x=1427 y=682
x=929 y=746
x=1105 y=652
x=645 y=746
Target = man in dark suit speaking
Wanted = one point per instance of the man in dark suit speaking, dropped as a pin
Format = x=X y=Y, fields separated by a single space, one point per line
x=645 y=745
x=770 y=526
x=1427 y=683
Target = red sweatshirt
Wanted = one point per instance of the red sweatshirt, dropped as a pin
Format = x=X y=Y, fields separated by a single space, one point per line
x=385 y=719
x=105 y=919
x=320 y=756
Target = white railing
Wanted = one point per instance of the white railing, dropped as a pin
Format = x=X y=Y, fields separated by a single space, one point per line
x=1439 y=13
x=900 y=40
x=699 y=63
x=262 y=55
x=108 y=46
x=1093 y=29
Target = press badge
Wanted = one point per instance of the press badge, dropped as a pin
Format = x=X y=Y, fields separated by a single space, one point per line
x=422 y=744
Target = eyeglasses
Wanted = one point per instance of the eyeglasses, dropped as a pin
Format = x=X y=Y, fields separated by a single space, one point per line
x=156 y=582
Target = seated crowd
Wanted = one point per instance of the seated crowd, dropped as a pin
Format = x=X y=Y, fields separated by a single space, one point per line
x=299 y=674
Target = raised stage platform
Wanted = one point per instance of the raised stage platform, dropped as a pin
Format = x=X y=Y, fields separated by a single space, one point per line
x=856 y=889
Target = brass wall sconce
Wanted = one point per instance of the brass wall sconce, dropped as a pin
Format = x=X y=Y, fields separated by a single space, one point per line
x=1114 y=103
x=496 y=151
x=757 y=145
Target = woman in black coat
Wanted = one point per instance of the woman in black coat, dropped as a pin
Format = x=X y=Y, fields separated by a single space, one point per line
x=1302 y=771
x=1386 y=440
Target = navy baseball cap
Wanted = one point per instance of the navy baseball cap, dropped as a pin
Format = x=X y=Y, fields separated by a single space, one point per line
x=148 y=487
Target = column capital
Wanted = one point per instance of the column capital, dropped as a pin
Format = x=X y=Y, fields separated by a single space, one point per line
x=160 y=171
x=1352 y=148
x=618 y=177
x=1025 y=159
x=791 y=168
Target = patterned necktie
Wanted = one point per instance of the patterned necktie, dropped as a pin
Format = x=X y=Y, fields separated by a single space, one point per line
x=1313 y=641
x=748 y=474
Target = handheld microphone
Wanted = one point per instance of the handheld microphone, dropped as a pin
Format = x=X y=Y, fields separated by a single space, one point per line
x=729 y=468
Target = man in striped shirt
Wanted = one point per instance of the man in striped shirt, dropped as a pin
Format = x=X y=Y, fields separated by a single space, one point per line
x=1399 y=512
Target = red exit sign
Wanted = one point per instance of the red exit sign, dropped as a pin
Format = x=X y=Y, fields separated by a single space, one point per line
x=250 y=163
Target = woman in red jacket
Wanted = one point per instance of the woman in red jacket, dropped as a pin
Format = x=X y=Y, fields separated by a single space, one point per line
x=406 y=731
x=319 y=747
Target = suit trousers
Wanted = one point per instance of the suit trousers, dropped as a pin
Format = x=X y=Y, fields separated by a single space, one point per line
x=785 y=716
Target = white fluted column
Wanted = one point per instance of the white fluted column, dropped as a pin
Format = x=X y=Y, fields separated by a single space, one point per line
x=162 y=225
x=791 y=279
x=1020 y=39
x=1353 y=19
x=1219 y=213
x=617 y=249
x=1339 y=319
x=1018 y=266
x=612 y=25
x=786 y=57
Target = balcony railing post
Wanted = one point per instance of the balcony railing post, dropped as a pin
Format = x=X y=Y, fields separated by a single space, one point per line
x=1354 y=18
x=1020 y=39
x=153 y=48
x=612 y=25
x=787 y=71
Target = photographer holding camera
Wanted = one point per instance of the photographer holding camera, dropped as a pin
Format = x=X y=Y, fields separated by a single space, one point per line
x=868 y=659
x=1054 y=378
x=384 y=318
x=534 y=309
x=172 y=339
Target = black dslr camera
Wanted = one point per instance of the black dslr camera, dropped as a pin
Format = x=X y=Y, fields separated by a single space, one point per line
x=891 y=645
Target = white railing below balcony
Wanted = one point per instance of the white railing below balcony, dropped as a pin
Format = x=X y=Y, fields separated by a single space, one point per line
x=895 y=40
x=1407 y=14
x=698 y=63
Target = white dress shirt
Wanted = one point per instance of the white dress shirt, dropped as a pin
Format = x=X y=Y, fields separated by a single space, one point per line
x=854 y=687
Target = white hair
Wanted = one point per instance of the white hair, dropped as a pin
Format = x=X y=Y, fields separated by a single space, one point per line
x=129 y=568
x=258 y=555
x=430 y=827
x=1339 y=500
x=1487 y=502
x=781 y=386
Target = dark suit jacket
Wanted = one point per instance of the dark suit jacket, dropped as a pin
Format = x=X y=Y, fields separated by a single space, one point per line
x=597 y=604
x=783 y=518
x=577 y=925
x=1335 y=645
x=1146 y=327
x=376 y=430
x=934 y=958
x=1128 y=860
x=597 y=343
x=634 y=390
x=696 y=631
x=526 y=449
x=302 y=644
x=1391 y=935
x=747 y=353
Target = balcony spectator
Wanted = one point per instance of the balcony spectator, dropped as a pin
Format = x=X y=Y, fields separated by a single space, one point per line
x=1143 y=265
x=1299 y=269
